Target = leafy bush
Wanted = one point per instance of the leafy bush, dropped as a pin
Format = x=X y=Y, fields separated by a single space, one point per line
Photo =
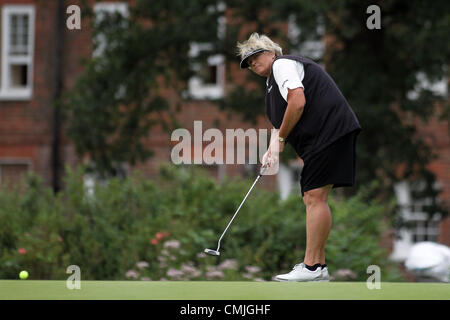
x=135 y=228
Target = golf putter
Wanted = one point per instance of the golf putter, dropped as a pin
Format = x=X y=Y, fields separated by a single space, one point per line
x=217 y=252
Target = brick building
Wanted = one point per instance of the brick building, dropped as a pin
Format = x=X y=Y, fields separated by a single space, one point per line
x=40 y=59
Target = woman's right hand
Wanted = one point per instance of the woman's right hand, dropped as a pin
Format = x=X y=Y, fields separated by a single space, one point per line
x=271 y=155
x=266 y=158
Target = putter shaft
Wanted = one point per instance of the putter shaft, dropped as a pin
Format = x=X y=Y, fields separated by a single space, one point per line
x=256 y=180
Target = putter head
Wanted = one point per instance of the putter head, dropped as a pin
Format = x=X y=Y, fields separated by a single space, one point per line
x=212 y=252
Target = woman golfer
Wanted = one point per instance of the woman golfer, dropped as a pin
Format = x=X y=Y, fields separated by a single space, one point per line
x=309 y=111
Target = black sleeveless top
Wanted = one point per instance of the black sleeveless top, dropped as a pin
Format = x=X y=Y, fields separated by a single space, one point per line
x=326 y=117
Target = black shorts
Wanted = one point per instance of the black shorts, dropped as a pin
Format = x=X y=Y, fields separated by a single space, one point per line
x=333 y=165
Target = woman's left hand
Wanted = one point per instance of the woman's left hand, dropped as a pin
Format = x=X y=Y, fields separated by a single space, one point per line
x=281 y=146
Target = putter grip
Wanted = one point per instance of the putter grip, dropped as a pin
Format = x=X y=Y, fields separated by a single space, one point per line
x=263 y=169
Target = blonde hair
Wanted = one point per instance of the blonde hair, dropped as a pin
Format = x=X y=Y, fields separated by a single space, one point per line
x=256 y=41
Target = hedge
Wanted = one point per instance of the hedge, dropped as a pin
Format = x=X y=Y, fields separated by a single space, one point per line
x=137 y=228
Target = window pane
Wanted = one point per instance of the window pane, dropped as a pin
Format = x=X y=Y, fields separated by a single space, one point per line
x=19 y=75
x=19 y=34
x=14 y=21
x=208 y=74
x=13 y=31
x=25 y=31
x=25 y=21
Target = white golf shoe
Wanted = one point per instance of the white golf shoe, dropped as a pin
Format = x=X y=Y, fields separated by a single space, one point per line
x=301 y=274
x=325 y=275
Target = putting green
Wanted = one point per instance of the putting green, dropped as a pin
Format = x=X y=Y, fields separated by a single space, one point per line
x=215 y=290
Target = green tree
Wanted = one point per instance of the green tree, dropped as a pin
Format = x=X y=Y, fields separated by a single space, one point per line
x=375 y=69
x=117 y=99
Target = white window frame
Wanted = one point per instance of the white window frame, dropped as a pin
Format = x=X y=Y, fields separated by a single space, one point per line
x=6 y=92
x=196 y=87
x=410 y=212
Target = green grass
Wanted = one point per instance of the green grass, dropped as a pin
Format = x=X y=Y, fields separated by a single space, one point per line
x=214 y=290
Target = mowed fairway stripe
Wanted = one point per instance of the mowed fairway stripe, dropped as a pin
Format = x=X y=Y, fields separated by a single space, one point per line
x=217 y=290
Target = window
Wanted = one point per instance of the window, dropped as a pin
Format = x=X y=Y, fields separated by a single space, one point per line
x=313 y=49
x=423 y=228
x=418 y=225
x=101 y=9
x=209 y=79
x=17 y=43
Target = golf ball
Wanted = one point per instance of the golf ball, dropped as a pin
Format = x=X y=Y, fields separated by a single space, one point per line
x=23 y=275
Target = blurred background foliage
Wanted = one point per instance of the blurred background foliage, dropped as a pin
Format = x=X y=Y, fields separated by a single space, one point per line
x=386 y=74
x=133 y=228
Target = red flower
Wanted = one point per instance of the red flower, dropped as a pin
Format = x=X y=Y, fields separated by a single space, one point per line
x=22 y=251
x=154 y=241
x=159 y=235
